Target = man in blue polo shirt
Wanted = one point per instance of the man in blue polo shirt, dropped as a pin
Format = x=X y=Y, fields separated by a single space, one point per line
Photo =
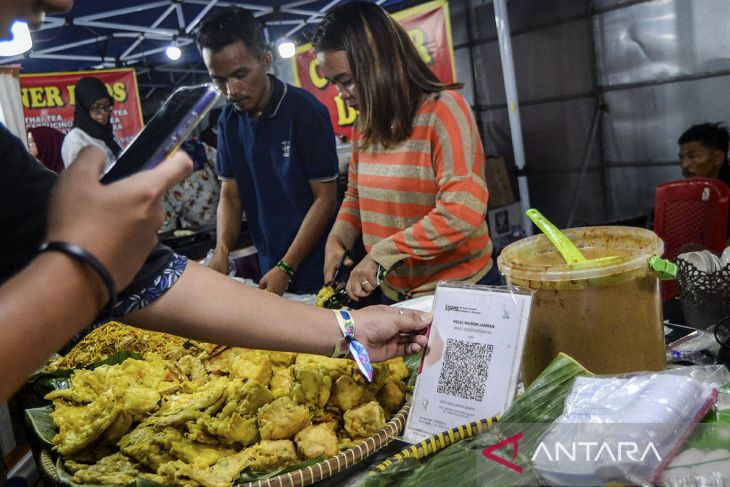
x=276 y=158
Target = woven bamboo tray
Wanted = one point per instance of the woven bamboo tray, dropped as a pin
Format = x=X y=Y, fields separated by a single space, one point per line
x=298 y=478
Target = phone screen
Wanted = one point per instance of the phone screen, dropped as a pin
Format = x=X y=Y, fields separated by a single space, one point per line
x=171 y=125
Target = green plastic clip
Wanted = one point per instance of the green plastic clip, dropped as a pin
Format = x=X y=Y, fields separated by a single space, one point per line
x=666 y=270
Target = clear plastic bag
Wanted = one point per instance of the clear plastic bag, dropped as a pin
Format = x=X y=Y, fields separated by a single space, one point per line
x=699 y=348
x=705 y=459
x=625 y=429
x=702 y=347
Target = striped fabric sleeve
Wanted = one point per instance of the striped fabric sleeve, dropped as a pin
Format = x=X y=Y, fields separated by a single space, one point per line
x=348 y=226
x=461 y=199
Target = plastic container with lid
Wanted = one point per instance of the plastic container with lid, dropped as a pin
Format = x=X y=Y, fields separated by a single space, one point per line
x=606 y=316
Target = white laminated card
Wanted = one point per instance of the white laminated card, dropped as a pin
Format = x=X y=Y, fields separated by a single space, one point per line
x=471 y=368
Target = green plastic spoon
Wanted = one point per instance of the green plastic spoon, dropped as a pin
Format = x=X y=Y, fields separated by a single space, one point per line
x=565 y=246
x=664 y=269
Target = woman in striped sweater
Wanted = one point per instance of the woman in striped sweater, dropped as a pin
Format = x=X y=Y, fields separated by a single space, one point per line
x=416 y=191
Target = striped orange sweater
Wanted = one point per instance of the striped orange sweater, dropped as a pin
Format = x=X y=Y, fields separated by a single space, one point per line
x=422 y=202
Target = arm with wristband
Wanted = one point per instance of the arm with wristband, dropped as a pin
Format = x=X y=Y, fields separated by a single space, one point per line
x=97 y=238
x=59 y=292
x=238 y=315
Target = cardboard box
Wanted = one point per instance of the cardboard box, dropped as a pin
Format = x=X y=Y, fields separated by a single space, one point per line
x=498 y=183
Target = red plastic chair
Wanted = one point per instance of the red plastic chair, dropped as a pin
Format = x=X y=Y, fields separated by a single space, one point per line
x=690 y=211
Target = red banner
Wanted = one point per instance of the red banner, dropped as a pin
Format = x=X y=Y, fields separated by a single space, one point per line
x=49 y=99
x=429 y=27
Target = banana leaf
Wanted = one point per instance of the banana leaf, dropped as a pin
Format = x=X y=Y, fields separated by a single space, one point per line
x=464 y=464
x=412 y=363
x=40 y=422
x=145 y=483
x=253 y=476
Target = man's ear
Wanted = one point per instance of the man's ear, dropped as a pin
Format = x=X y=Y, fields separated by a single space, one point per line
x=718 y=157
x=267 y=60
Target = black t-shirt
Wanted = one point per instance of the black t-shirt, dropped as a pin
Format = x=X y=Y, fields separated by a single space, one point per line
x=25 y=187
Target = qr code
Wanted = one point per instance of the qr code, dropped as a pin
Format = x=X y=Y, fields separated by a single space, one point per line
x=464 y=373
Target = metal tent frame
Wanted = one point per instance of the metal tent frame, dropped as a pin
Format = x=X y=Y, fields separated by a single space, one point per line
x=92 y=36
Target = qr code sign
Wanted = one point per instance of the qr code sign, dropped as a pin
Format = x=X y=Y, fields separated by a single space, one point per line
x=464 y=373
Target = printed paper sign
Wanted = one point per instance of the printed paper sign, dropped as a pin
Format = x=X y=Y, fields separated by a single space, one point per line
x=49 y=99
x=474 y=353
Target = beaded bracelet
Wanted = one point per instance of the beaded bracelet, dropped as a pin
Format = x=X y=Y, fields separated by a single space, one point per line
x=85 y=257
x=286 y=268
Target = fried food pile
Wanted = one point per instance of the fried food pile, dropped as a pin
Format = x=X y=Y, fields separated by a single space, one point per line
x=203 y=419
x=113 y=337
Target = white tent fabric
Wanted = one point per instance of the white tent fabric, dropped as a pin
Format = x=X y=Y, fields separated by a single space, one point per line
x=11 y=108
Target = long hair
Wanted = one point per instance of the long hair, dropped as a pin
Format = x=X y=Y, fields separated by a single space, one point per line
x=390 y=76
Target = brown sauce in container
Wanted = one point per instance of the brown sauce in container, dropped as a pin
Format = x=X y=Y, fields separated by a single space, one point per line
x=606 y=316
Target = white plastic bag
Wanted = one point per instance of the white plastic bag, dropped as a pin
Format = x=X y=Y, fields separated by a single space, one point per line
x=625 y=429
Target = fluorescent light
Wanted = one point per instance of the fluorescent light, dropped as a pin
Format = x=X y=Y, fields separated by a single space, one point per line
x=20 y=42
x=173 y=52
x=286 y=48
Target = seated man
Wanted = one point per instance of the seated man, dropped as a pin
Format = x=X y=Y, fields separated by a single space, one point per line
x=703 y=152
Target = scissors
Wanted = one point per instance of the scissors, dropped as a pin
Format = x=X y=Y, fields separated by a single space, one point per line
x=333 y=294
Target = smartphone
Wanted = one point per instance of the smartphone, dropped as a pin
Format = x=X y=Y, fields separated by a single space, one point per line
x=171 y=126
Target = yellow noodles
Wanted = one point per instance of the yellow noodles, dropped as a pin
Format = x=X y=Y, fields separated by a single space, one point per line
x=114 y=337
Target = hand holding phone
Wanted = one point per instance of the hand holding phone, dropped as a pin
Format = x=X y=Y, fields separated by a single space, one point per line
x=161 y=137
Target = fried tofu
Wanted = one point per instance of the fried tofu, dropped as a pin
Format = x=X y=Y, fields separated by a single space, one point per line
x=271 y=455
x=281 y=381
x=114 y=469
x=316 y=440
x=392 y=395
x=346 y=394
x=365 y=420
x=312 y=385
x=282 y=419
x=202 y=420
x=398 y=369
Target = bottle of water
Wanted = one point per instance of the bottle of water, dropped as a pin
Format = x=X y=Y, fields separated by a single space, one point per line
x=697 y=357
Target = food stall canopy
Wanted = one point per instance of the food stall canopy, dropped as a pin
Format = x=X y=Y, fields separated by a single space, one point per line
x=136 y=33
